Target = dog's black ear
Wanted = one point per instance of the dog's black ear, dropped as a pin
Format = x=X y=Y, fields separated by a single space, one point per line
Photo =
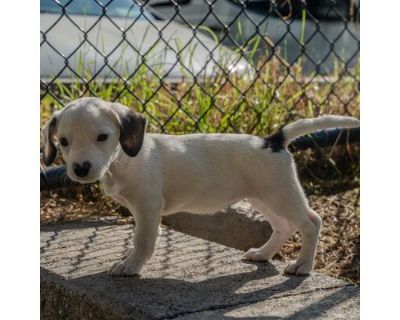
x=132 y=128
x=48 y=133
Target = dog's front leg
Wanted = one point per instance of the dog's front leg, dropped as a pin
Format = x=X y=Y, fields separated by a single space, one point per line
x=147 y=230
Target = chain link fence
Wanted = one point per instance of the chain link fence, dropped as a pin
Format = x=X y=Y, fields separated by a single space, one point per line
x=201 y=65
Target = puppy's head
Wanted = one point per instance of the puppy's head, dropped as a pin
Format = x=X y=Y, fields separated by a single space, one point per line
x=89 y=132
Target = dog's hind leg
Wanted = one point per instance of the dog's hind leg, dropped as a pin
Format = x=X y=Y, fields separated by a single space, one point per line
x=288 y=211
x=293 y=206
x=309 y=229
x=281 y=232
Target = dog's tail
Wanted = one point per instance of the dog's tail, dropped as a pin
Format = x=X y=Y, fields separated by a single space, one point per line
x=305 y=126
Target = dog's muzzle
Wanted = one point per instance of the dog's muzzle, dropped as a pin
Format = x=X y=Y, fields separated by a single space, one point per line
x=81 y=170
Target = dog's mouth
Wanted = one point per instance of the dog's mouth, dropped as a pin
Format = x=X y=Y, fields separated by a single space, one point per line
x=85 y=180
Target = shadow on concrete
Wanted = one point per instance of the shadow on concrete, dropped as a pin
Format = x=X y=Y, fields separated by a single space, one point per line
x=164 y=298
x=57 y=227
x=315 y=310
x=171 y=298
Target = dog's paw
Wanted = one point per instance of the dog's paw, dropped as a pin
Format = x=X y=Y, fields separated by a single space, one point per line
x=124 y=268
x=129 y=252
x=254 y=254
x=298 y=268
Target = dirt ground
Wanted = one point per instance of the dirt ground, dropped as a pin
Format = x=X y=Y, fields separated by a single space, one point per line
x=338 y=251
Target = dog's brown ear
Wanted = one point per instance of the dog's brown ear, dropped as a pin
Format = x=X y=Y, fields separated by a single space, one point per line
x=48 y=134
x=132 y=128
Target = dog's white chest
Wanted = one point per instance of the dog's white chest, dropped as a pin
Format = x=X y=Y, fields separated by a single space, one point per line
x=113 y=190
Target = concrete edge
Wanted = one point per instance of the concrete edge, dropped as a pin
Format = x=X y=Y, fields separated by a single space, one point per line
x=59 y=299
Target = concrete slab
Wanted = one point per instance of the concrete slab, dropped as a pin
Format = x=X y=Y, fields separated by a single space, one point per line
x=238 y=226
x=188 y=278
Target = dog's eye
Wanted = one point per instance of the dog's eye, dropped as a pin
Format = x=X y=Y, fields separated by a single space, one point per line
x=63 y=142
x=102 y=137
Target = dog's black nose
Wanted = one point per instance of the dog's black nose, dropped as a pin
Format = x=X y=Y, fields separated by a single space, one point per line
x=81 y=170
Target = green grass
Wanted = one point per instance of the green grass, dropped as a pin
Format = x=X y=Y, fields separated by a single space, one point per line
x=220 y=104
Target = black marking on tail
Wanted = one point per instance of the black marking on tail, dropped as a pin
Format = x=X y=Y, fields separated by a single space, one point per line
x=275 y=142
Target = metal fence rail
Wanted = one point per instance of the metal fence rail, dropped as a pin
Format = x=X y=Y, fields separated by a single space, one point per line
x=202 y=65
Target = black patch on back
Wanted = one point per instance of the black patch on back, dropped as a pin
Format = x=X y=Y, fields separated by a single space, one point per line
x=275 y=142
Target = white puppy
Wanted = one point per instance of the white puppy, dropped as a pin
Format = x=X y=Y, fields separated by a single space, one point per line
x=157 y=174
